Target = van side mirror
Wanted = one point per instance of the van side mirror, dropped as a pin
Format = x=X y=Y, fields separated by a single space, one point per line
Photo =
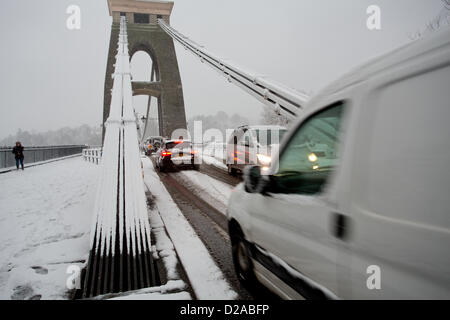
x=252 y=177
x=244 y=143
x=254 y=182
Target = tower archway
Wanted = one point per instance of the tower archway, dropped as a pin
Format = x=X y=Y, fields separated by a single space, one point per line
x=145 y=102
x=144 y=34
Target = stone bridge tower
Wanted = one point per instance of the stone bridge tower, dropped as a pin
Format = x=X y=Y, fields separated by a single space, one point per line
x=144 y=34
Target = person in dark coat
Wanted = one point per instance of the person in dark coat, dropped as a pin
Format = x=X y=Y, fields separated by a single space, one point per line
x=18 y=153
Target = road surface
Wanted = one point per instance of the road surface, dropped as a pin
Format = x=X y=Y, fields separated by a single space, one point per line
x=207 y=217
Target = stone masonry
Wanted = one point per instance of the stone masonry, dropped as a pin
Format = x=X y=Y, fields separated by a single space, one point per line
x=153 y=40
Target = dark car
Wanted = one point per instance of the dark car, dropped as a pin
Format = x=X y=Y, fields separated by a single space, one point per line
x=176 y=154
x=152 y=144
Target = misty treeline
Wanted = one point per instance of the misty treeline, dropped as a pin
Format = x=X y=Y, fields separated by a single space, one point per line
x=441 y=20
x=223 y=121
x=92 y=135
x=82 y=135
x=275 y=117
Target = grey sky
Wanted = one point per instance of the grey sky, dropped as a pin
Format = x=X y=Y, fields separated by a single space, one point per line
x=52 y=77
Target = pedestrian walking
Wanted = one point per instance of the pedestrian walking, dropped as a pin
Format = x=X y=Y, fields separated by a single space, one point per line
x=18 y=153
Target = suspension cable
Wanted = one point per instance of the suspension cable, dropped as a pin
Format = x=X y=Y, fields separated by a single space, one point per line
x=281 y=98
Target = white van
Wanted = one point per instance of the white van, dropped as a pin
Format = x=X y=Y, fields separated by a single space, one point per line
x=370 y=217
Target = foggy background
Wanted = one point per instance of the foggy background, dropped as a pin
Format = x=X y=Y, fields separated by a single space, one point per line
x=53 y=78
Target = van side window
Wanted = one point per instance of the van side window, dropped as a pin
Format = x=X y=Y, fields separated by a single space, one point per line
x=245 y=139
x=235 y=137
x=407 y=150
x=310 y=156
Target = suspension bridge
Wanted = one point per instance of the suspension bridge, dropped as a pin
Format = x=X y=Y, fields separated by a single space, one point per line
x=110 y=221
x=122 y=254
x=120 y=257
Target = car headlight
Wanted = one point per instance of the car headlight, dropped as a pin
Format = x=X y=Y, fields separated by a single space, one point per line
x=263 y=159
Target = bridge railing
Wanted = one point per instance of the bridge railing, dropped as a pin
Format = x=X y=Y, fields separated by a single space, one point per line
x=93 y=154
x=281 y=98
x=38 y=154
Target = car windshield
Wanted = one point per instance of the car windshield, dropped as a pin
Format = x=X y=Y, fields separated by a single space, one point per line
x=178 y=144
x=269 y=136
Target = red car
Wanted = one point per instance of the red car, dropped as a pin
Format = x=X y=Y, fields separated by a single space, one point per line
x=176 y=154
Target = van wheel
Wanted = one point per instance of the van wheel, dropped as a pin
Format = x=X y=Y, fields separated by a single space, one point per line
x=243 y=264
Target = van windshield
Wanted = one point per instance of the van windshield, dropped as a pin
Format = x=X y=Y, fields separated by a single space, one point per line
x=269 y=136
x=178 y=144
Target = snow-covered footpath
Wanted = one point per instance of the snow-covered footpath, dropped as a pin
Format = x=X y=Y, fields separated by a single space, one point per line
x=45 y=220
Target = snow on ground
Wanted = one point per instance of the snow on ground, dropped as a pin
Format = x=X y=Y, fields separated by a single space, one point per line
x=169 y=291
x=207 y=280
x=216 y=190
x=163 y=247
x=45 y=220
x=214 y=162
x=38 y=163
x=214 y=154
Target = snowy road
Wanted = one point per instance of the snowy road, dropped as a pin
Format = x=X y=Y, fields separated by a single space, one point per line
x=45 y=220
x=220 y=174
x=202 y=197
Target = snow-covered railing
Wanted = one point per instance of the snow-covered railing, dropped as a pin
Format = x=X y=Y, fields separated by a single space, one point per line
x=120 y=258
x=92 y=155
x=283 y=99
x=38 y=154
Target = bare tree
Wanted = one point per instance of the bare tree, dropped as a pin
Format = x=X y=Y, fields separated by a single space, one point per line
x=440 y=21
x=272 y=116
x=84 y=134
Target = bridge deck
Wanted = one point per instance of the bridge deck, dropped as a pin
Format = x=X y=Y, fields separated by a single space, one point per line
x=45 y=219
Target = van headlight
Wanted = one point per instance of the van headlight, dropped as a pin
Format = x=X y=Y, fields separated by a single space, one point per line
x=263 y=159
x=312 y=157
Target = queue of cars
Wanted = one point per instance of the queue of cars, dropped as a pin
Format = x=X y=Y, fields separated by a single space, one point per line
x=356 y=203
x=152 y=144
x=247 y=145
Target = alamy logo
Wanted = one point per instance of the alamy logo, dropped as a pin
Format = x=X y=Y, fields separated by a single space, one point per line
x=74 y=280
x=374 y=19
x=74 y=20
x=374 y=280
